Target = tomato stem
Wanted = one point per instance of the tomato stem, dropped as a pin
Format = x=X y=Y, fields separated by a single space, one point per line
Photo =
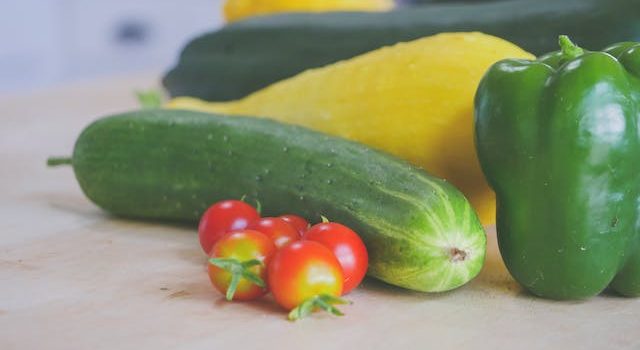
x=324 y=219
x=238 y=270
x=324 y=302
x=258 y=204
x=149 y=99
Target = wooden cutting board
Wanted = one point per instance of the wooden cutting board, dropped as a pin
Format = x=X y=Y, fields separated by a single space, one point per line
x=73 y=277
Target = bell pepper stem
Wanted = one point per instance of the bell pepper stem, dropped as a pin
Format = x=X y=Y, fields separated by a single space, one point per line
x=569 y=49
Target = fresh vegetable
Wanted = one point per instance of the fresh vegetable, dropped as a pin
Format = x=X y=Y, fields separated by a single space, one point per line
x=421 y=2
x=224 y=217
x=247 y=56
x=280 y=231
x=299 y=223
x=237 y=267
x=559 y=141
x=347 y=246
x=420 y=231
x=239 y=9
x=432 y=123
x=305 y=275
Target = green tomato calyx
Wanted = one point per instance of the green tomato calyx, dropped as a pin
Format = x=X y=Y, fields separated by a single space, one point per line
x=238 y=270
x=325 y=302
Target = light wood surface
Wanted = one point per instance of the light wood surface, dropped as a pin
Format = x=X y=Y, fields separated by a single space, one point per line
x=73 y=277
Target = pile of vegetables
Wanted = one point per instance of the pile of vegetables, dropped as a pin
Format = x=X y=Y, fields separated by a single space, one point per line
x=249 y=55
x=420 y=231
x=379 y=139
x=382 y=99
x=306 y=267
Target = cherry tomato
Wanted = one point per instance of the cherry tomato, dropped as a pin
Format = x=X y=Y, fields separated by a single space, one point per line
x=305 y=275
x=224 y=217
x=280 y=231
x=347 y=247
x=296 y=221
x=238 y=263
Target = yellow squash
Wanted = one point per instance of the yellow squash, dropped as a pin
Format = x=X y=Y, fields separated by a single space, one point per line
x=238 y=9
x=413 y=100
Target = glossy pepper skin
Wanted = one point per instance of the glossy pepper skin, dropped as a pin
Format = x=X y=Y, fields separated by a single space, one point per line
x=558 y=139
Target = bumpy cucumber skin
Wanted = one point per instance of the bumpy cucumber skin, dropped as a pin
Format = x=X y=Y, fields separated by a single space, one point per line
x=172 y=165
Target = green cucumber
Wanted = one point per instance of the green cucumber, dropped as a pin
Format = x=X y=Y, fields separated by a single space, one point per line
x=246 y=56
x=420 y=231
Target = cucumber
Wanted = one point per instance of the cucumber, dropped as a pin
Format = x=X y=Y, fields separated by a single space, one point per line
x=248 y=55
x=420 y=231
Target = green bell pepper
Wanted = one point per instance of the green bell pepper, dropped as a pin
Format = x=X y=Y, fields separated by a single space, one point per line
x=558 y=139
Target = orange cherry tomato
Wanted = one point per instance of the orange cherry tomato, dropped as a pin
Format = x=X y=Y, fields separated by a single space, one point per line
x=302 y=272
x=238 y=264
x=347 y=247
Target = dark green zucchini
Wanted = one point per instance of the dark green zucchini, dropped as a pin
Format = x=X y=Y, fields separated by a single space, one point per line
x=420 y=231
x=248 y=55
x=422 y=2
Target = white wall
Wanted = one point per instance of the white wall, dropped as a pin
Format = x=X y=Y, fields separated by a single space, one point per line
x=49 y=42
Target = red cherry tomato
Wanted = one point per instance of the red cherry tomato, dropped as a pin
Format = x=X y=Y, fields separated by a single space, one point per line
x=303 y=272
x=347 y=247
x=296 y=221
x=224 y=217
x=238 y=263
x=280 y=231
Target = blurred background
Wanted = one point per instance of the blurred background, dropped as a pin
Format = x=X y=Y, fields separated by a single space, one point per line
x=49 y=42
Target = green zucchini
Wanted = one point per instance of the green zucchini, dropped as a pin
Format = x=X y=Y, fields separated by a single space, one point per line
x=420 y=231
x=422 y=2
x=246 y=56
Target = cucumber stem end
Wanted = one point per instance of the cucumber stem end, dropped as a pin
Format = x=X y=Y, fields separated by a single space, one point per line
x=57 y=161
